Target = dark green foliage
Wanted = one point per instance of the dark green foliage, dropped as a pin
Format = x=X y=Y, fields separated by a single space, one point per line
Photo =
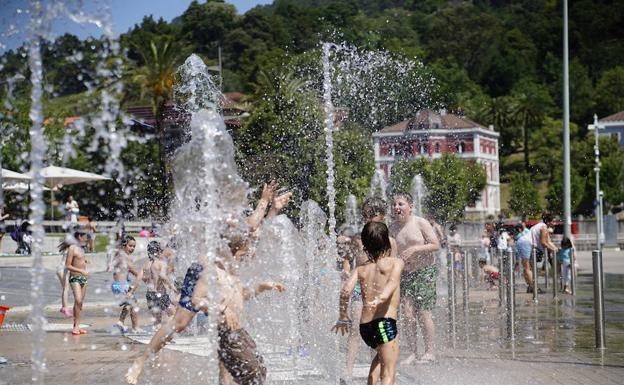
x=523 y=199
x=451 y=183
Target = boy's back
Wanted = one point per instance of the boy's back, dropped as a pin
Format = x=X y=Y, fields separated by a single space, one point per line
x=374 y=278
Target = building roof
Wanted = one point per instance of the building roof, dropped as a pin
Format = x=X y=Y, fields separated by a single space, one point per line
x=617 y=117
x=431 y=120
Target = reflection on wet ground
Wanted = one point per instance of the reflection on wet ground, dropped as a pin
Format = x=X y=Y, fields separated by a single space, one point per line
x=551 y=330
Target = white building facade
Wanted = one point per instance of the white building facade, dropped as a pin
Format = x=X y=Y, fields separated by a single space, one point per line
x=430 y=134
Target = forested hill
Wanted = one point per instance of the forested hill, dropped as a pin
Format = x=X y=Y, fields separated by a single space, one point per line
x=499 y=62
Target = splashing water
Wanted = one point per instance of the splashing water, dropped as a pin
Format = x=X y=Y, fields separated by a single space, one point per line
x=379 y=186
x=418 y=192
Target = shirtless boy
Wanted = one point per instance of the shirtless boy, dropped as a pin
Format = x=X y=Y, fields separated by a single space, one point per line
x=373 y=210
x=121 y=286
x=154 y=273
x=416 y=242
x=379 y=279
x=76 y=264
x=194 y=294
x=489 y=273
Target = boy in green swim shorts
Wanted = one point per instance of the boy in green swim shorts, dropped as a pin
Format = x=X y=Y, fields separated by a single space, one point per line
x=416 y=242
x=76 y=264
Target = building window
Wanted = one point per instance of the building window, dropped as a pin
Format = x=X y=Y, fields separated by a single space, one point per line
x=422 y=148
x=437 y=147
x=460 y=147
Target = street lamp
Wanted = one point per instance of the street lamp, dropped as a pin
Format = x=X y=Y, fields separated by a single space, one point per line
x=599 y=228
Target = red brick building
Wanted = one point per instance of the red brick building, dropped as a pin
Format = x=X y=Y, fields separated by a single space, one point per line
x=430 y=134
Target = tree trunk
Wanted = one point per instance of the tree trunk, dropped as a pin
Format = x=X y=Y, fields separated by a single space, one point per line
x=162 y=155
x=527 y=166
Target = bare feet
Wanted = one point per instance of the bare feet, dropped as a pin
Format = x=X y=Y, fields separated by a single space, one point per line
x=132 y=376
x=409 y=360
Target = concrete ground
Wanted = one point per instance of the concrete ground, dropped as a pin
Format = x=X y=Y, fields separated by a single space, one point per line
x=554 y=340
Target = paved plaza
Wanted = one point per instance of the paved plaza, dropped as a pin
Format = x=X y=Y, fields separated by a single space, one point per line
x=554 y=343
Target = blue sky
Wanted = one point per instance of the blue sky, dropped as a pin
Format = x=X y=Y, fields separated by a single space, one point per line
x=126 y=13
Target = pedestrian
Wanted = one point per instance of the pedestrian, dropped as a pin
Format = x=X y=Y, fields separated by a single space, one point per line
x=524 y=246
x=143 y=233
x=416 y=245
x=63 y=274
x=3 y=216
x=71 y=209
x=565 y=258
x=540 y=239
x=76 y=264
x=484 y=247
x=91 y=229
x=379 y=279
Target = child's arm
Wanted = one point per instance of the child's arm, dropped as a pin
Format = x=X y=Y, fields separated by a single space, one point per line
x=162 y=274
x=136 y=283
x=393 y=283
x=69 y=263
x=255 y=219
x=262 y=287
x=431 y=243
x=131 y=268
x=278 y=204
x=344 y=322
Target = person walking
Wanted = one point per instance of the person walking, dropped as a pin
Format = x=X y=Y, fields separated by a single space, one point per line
x=540 y=239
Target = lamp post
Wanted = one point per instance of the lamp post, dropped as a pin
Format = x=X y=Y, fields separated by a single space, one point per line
x=599 y=230
x=567 y=205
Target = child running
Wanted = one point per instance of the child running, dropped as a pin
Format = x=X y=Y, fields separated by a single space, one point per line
x=122 y=270
x=154 y=274
x=489 y=274
x=76 y=264
x=373 y=210
x=193 y=299
x=379 y=279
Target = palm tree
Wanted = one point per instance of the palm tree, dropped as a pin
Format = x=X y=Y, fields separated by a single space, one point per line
x=527 y=112
x=156 y=79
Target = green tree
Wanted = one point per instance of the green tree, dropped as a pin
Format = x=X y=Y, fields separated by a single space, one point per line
x=530 y=105
x=523 y=199
x=610 y=91
x=451 y=183
x=156 y=78
x=554 y=196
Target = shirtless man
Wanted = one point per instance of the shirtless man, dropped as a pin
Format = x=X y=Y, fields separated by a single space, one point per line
x=417 y=243
x=194 y=293
x=379 y=279
x=76 y=264
x=121 y=286
x=154 y=274
x=373 y=210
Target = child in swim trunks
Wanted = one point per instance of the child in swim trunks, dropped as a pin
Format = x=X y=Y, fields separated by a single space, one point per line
x=123 y=268
x=379 y=280
x=76 y=265
x=489 y=273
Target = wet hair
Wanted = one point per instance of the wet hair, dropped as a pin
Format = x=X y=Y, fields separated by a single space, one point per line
x=566 y=243
x=125 y=239
x=482 y=261
x=70 y=240
x=547 y=217
x=404 y=195
x=374 y=206
x=375 y=239
x=154 y=249
x=453 y=228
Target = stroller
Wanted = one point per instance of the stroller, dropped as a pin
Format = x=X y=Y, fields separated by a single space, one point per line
x=23 y=237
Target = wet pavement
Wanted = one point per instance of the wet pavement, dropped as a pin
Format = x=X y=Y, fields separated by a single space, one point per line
x=554 y=345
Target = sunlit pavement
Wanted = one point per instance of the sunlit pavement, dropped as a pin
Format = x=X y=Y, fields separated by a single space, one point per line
x=554 y=345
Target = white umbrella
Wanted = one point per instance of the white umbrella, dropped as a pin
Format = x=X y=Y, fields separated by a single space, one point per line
x=56 y=177
x=12 y=176
x=59 y=176
x=19 y=187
